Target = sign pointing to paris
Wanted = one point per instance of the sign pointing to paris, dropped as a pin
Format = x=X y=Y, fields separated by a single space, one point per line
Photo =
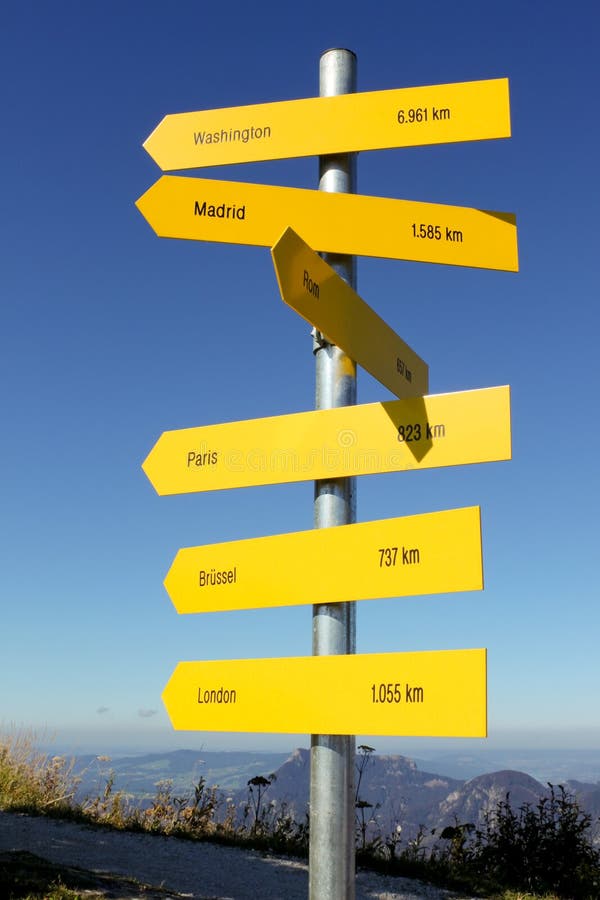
x=232 y=212
x=433 y=553
x=423 y=694
x=315 y=291
x=416 y=433
x=375 y=120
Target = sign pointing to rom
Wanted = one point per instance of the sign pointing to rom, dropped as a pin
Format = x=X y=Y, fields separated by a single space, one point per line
x=315 y=291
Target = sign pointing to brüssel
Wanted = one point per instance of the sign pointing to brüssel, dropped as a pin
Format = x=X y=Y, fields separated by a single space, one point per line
x=432 y=553
x=416 y=433
x=439 y=693
x=375 y=120
x=317 y=293
x=201 y=209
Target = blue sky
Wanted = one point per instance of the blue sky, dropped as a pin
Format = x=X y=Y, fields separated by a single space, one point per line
x=111 y=335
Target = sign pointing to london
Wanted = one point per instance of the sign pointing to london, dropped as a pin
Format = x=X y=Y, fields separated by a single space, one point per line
x=416 y=433
x=439 y=693
x=231 y=212
x=375 y=120
x=433 y=553
x=320 y=296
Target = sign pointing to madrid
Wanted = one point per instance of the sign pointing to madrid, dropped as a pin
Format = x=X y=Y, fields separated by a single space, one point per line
x=432 y=553
x=315 y=291
x=416 y=433
x=424 y=694
x=404 y=117
x=232 y=212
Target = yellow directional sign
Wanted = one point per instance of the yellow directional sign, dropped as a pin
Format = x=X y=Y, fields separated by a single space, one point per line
x=426 y=694
x=201 y=209
x=432 y=553
x=320 y=296
x=405 y=117
x=417 y=433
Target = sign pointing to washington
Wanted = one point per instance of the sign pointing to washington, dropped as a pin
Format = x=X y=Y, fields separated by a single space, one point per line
x=375 y=120
x=232 y=212
x=315 y=291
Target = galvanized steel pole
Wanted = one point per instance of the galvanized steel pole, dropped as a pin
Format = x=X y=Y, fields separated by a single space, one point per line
x=331 y=853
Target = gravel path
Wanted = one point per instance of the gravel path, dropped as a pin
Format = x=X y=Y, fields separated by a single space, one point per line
x=201 y=871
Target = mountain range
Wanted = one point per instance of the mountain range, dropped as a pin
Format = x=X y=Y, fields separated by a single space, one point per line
x=397 y=795
x=404 y=799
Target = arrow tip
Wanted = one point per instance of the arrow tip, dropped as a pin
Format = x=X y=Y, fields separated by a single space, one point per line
x=151 y=142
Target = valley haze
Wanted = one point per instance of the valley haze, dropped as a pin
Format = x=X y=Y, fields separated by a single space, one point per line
x=231 y=769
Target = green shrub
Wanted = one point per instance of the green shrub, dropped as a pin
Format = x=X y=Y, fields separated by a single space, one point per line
x=540 y=848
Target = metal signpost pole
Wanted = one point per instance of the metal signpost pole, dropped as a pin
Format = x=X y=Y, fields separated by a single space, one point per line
x=427 y=430
x=331 y=854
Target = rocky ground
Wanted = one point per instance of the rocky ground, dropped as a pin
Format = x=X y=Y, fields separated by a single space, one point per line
x=123 y=865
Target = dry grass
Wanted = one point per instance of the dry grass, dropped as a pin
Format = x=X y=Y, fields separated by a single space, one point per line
x=30 y=780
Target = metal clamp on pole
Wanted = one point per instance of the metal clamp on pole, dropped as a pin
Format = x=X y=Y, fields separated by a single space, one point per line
x=319 y=340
